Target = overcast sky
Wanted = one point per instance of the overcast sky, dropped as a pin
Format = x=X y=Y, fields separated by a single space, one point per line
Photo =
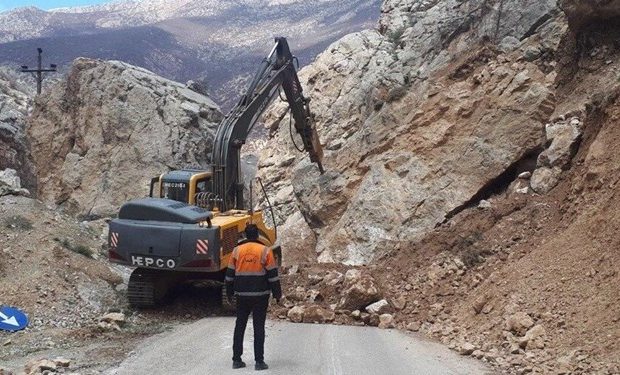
x=46 y=4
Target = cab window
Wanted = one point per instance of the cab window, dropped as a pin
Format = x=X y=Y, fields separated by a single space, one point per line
x=177 y=191
x=202 y=185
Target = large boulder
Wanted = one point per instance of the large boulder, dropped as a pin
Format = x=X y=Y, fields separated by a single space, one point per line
x=534 y=338
x=379 y=307
x=414 y=124
x=317 y=314
x=298 y=241
x=296 y=314
x=519 y=323
x=563 y=138
x=544 y=179
x=100 y=135
x=359 y=292
x=386 y=321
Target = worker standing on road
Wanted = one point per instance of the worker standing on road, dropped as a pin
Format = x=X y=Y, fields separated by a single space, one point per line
x=251 y=276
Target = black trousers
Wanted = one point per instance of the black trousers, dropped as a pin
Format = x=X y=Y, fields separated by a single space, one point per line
x=258 y=307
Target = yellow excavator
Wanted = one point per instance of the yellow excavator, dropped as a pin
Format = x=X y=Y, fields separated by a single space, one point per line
x=187 y=228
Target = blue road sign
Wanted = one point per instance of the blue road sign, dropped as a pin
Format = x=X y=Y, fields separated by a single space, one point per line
x=12 y=319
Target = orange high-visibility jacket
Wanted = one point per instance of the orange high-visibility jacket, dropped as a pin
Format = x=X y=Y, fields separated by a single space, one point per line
x=253 y=271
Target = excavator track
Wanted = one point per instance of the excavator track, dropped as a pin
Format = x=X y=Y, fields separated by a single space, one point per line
x=147 y=288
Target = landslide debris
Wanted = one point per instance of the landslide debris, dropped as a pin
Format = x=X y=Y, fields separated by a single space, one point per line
x=484 y=210
x=98 y=137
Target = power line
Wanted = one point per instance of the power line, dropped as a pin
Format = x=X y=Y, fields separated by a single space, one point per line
x=38 y=72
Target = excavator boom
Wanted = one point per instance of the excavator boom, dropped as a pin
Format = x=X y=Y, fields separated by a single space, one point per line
x=276 y=72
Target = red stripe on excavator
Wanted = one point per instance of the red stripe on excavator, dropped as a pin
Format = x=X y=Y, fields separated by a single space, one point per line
x=114 y=239
x=202 y=247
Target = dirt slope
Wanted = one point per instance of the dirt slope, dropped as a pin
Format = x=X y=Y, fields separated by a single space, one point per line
x=48 y=269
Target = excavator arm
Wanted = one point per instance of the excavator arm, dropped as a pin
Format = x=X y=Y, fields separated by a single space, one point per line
x=276 y=71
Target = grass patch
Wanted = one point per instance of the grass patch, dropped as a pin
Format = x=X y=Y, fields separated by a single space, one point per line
x=76 y=248
x=18 y=222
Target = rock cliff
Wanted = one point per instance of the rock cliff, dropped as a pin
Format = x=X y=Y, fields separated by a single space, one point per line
x=411 y=136
x=474 y=168
x=14 y=108
x=100 y=135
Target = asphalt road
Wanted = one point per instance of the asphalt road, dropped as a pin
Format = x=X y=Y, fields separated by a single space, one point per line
x=205 y=347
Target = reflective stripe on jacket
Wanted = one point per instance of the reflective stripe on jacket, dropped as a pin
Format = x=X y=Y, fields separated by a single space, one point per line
x=253 y=271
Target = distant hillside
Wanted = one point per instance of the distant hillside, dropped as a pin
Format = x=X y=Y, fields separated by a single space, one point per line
x=220 y=41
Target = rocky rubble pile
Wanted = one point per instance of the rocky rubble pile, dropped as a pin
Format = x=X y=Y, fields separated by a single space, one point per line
x=116 y=127
x=476 y=310
x=317 y=295
x=44 y=366
x=514 y=337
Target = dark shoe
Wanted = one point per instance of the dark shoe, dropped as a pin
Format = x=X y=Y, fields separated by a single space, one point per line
x=260 y=366
x=238 y=364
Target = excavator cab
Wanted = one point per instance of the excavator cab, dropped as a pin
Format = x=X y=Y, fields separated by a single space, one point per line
x=188 y=186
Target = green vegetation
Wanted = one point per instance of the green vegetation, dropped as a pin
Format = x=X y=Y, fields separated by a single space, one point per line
x=76 y=248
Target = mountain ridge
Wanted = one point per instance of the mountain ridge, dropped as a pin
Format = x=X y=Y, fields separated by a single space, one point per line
x=221 y=42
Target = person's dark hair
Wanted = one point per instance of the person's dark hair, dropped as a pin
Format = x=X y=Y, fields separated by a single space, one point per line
x=251 y=232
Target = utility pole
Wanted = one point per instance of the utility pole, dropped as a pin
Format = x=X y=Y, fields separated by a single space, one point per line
x=38 y=72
